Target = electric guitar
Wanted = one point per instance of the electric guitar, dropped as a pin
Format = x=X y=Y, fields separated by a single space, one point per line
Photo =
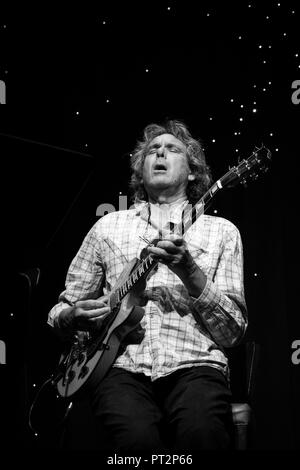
x=92 y=354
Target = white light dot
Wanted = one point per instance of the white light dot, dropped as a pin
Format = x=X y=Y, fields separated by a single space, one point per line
x=271 y=134
x=296 y=55
x=130 y=154
x=241 y=119
x=254 y=110
x=240 y=37
x=264 y=89
x=254 y=102
x=277 y=150
x=293 y=12
x=235 y=133
x=36 y=434
x=86 y=145
x=34 y=385
x=11 y=314
x=284 y=34
x=207 y=14
x=213 y=140
x=254 y=86
x=232 y=100
x=278 y=4
x=270 y=47
x=77 y=112
x=103 y=22
x=147 y=70
x=249 y=6
x=215 y=211
x=269 y=83
x=260 y=46
x=242 y=105
x=120 y=192
x=236 y=150
x=210 y=118
x=255 y=274
x=107 y=101
x=169 y=8
x=267 y=17
x=264 y=61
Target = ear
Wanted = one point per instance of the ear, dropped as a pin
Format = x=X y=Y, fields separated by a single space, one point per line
x=191 y=177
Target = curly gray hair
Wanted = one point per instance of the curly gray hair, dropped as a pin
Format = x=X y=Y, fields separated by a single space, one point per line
x=195 y=156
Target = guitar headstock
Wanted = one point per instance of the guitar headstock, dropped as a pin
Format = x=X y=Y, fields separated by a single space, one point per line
x=248 y=169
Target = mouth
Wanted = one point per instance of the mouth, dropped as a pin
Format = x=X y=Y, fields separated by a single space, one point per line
x=159 y=168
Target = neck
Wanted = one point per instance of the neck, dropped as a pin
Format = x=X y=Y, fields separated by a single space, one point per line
x=166 y=199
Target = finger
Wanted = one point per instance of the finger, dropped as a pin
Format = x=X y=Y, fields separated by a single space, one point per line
x=90 y=303
x=103 y=298
x=159 y=253
x=177 y=240
x=86 y=314
x=99 y=318
x=168 y=246
x=88 y=323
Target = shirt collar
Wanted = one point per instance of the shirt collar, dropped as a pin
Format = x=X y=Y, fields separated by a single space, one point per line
x=172 y=211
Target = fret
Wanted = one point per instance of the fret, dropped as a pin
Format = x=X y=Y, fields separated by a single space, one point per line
x=121 y=290
x=213 y=189
x=141 y=270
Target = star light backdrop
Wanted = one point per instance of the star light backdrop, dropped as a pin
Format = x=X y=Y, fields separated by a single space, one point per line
x=89 y=81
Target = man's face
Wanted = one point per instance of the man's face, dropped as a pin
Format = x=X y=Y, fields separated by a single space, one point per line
x=166 y=165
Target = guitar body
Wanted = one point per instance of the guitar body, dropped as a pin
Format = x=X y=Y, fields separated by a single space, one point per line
x=89 y=360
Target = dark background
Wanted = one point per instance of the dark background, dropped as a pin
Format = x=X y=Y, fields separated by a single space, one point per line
x=93 y=62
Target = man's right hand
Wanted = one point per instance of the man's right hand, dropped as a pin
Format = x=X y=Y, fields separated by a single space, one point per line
x=85 y=315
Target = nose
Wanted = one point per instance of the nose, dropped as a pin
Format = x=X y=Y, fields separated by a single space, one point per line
x=161 y=152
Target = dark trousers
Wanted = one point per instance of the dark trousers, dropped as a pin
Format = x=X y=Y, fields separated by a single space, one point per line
x=187 y=411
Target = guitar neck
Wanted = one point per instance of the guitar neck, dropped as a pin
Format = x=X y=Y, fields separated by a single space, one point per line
x=190 y=215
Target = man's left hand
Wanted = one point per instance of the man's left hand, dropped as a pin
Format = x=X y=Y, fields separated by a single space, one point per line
x=173 y=252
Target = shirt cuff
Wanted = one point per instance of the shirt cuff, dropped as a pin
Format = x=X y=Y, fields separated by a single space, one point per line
x=55 y=312
x=209 y=299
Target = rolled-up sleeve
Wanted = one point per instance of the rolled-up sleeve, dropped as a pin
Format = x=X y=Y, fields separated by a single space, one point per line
x=84 y=278
x=221 y=305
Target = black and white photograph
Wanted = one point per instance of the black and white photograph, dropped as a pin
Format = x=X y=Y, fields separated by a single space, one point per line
x=150 y=175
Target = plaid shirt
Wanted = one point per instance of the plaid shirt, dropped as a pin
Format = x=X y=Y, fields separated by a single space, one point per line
x=180 y=331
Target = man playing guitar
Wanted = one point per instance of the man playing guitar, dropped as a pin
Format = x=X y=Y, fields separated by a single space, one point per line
x=168 y=386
